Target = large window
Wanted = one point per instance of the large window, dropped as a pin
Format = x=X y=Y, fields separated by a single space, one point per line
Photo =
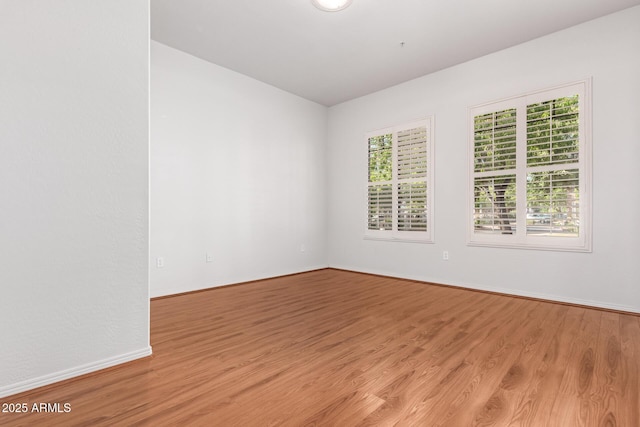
x=530 y=170
x=400 y=182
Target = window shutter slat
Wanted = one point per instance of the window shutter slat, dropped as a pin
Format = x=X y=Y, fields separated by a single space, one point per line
x=380 y=207
x=412 y=206
x=552 y=132
x=412 y=153
x=380 y=158
x=495 y=203
x=553 y=203
x=495 y=141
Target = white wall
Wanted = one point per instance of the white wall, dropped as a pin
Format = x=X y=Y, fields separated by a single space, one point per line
x=606 y=49
x=73 y=188
x=237 y=171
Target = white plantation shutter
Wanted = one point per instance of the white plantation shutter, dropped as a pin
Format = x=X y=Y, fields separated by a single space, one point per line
x=495 y=141
x=494 y=204
x=412 y=153
x=552 y=132
x=412 y=175
x=412 y=206
x=530 y=166
x=494 y=166
x=380 y=207
x=380 y=192
x=399 y=198
x=553 y=203
x=553 y=173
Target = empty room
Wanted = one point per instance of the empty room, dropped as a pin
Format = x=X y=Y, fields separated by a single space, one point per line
x=319 y=212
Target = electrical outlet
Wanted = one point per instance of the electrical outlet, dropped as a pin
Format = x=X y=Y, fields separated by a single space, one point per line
x=302 y=248
x=445 y=255
x=160 y=262
x=209 y=257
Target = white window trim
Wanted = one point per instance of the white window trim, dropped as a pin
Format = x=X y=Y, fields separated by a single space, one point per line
x=582 y=243
x=394 y=234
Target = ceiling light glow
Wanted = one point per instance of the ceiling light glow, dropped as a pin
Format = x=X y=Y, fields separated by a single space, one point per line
x=331 y=5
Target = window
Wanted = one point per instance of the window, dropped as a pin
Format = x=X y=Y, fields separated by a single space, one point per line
x=400 y=182
x=530 y=170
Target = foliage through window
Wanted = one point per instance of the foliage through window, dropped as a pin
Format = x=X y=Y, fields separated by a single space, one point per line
x=530 y=173
x=400 y=178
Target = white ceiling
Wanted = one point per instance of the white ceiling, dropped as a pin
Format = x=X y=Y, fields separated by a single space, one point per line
x=331 y=57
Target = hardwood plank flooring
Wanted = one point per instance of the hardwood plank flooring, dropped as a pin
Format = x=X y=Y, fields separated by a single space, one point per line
x=336 y=348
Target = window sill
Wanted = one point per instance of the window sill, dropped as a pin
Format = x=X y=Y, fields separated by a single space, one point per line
x=536 y=247
x=397 y=239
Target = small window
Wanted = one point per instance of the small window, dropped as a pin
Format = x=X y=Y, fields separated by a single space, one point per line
x=530 y=170
x=400 y=179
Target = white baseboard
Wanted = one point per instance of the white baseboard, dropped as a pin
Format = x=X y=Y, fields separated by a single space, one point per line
x=237 y=280
x=73 y=372
x=506 y=291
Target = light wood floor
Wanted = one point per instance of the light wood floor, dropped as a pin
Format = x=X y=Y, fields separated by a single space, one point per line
x=346 y=349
